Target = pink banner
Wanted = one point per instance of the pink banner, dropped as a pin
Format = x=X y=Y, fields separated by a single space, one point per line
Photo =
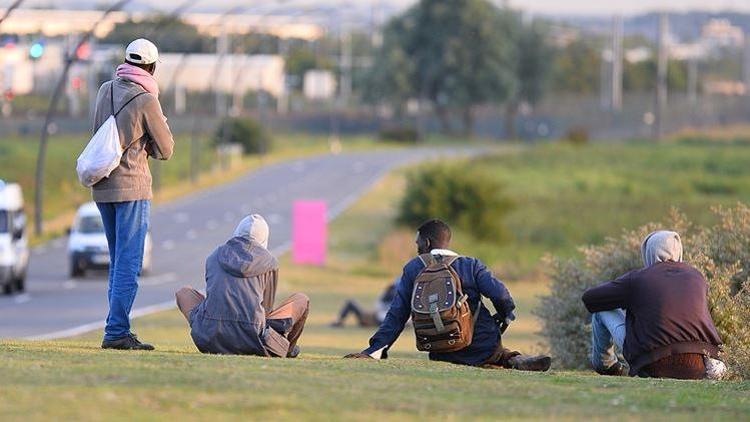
x=310 y=232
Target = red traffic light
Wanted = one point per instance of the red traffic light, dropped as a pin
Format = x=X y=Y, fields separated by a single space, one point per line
x=9 y=95
x=83 y=52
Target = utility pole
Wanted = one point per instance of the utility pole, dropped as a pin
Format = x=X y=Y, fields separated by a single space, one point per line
x=660 y=100
x=42 y=154
x=692 y=81
x=222 y=46
x=617 y=63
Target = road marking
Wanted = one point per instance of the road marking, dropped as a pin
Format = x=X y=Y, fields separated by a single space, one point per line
x=159 y=279
x=70 y=284
x=167 y=245
x=22 y=298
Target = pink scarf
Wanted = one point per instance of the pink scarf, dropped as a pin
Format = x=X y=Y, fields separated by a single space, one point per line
x=141 y=77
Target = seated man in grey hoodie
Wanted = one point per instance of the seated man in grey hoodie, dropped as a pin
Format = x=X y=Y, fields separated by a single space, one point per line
x=236 y=316
x=657 y=316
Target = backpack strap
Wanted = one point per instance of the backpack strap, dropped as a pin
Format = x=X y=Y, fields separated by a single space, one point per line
x=112 y=99
x=427 y=259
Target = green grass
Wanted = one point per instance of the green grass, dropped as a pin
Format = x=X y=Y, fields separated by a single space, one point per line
x=567 y=196
x=74 y=379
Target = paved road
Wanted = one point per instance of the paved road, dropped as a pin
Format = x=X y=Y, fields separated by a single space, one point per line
x=185 y=232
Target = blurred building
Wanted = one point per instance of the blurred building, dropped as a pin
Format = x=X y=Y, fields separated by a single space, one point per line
x=16 y=72
x=54 y=22
x=319 y=84
x=721 y=33
x=230 y=73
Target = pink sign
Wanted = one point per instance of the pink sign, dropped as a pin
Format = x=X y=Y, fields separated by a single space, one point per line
x=310 y=232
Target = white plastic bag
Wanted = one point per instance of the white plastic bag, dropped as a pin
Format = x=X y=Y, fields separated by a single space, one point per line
x=101 y=156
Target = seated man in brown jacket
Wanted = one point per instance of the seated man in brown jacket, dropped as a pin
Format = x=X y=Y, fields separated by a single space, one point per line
x=657 y=316
x=236 y=316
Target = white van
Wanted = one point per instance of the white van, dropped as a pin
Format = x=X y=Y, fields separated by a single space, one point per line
x=14 y=243
x=87 y=244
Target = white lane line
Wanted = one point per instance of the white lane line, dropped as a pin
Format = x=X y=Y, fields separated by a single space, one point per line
x=69 y=284
x=157 y=280
x=22 y=298
x=167 y=245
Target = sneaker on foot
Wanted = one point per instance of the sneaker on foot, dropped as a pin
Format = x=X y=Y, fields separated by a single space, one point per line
x=129 y=342
x=539 y=363
x=616 y=370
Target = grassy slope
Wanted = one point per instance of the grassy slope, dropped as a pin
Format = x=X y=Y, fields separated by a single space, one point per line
x=74 y=379
x=568 y=196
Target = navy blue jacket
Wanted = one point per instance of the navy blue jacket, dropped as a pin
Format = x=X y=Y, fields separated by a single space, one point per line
x=477 y=281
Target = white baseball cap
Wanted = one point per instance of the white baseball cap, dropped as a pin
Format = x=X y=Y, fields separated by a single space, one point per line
x=142 y=51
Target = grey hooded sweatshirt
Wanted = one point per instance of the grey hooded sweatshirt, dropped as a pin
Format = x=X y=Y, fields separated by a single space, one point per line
x=241 y=278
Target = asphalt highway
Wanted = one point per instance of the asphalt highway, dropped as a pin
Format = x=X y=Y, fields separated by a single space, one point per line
x=186 y=231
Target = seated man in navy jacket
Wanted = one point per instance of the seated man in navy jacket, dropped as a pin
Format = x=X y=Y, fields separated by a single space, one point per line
x=486 y=348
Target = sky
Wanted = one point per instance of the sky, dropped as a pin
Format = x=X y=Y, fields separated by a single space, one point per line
x=547 y=7
x=594 y=7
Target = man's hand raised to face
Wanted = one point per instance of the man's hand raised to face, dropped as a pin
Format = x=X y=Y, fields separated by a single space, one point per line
x=359 y=355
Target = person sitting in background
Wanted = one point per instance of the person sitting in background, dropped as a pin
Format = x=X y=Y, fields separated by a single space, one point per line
x=657 y=316
x=236 y=316
x=368 y=318
x=468 y=279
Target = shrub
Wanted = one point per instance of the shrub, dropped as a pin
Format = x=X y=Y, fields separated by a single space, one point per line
x=720 y=252
x=243 y=131
x=400 y=134
x=469 y=199
x=577 y=135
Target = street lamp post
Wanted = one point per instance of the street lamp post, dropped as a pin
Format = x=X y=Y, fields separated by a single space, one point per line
x=69 y=60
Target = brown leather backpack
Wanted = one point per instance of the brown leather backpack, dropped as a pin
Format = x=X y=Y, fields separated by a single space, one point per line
x=440 y=310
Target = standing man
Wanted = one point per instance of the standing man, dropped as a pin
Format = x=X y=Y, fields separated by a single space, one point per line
x=124 y=198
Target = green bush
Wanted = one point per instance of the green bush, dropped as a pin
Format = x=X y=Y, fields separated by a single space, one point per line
x=244 y=131
x=720 y=252
x=577 y=135
x=400 y=134
x=469 y=199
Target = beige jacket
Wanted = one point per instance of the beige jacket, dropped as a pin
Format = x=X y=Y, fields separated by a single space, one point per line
x=143 y=132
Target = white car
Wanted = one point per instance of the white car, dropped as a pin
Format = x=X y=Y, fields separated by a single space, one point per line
x=14 y=244
x=87 y=244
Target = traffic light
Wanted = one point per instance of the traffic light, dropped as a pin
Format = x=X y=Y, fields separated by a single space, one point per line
x=83 y=52
x=36 y=51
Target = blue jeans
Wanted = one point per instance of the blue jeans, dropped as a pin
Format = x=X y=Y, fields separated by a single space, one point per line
x=125 y=225
x=607 y=331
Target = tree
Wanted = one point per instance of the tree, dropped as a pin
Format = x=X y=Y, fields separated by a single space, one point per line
x=576 y=68
x=453 y=54
x=172 y=35
x=532 y=72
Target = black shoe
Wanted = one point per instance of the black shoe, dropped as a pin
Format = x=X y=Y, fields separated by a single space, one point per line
x=293 y=353
x=129 y=342
x=539 y=363
x=616 y=370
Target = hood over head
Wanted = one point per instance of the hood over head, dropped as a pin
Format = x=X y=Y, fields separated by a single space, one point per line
x=241 y=257
x=254 y=227
x=661 y=246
